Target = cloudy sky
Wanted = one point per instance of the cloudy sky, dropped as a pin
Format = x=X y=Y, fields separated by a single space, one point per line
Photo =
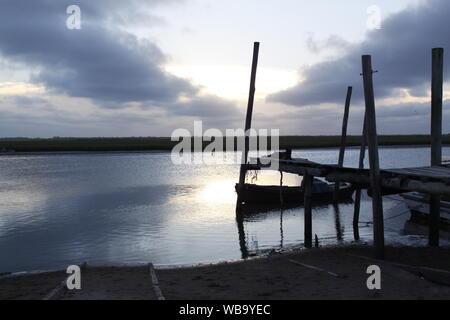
x=148 y=67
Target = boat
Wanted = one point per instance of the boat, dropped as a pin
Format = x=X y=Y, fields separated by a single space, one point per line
x=419 y=204
x=322 y=192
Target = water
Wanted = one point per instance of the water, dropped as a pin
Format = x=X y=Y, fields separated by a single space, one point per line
x=61 y=209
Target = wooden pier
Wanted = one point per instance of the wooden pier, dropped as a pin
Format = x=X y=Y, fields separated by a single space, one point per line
x=434 y=179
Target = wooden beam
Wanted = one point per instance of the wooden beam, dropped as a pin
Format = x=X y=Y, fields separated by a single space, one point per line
x=372 y=141
x=308 y=180
x=155 y=282
x=436 y=138
x=343 y=139
x=400 y=183
x=436 y=105
x=248 y=119
x=362 y=154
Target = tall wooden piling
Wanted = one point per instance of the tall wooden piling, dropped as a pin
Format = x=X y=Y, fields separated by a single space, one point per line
x=343 y=139
x=308 y=209
x=436 y=137
x=372 y=141
x=362 y=154
x=248 y=119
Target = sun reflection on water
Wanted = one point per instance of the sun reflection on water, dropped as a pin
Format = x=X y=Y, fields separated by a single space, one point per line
x=218 y=192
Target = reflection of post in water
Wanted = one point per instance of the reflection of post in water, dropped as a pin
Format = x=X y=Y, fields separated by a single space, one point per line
x=241 y=232
x=281 y=229
x=356 y=215
x=362 y=154
x=339 y=227
x=281 y=209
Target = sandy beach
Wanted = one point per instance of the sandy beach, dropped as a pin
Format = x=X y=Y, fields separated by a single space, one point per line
x=331 y=273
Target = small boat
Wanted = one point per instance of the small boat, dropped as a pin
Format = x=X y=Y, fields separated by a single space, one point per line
x=419 y=204
x=322 y=192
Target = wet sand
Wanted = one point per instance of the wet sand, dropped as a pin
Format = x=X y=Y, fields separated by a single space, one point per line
x=332 y=273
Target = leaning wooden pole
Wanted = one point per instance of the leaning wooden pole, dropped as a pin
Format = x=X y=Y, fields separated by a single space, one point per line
x=436 y=137
x=372 y=141
x=248 y=120
x=362 y=155
x=343 y=139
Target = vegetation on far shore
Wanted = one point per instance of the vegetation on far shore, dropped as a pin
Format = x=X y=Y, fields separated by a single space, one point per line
x=163 y=143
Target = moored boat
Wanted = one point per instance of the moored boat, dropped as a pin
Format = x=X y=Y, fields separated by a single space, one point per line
x=321 y=192
x=419 y=204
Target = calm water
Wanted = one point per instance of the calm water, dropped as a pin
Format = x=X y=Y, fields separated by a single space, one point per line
x=62 y=209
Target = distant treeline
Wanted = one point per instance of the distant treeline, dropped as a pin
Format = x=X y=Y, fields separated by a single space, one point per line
x=155 y=143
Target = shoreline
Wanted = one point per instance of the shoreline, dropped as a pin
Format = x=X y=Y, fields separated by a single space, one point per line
x=161 y=144
x=304 y=274
x=165 y=151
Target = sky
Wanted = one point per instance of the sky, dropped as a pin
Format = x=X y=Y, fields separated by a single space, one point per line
x=149 y=67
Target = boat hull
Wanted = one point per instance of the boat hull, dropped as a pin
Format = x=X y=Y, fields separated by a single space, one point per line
x=255 y=194
x=420 y=209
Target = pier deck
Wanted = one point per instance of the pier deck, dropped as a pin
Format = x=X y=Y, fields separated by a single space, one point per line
x=433 y=180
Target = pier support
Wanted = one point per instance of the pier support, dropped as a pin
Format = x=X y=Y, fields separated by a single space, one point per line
x=307 y=184
x=362 y=155
x=436 y=138
x=343 y=139
x=248 y=122
x=372 y=141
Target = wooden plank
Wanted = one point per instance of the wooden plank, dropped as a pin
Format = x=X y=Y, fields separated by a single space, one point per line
x=56 y=291
x=333 y=274
x=308 y=209
x=301 y=171
x=416 y=185
x=425 y=172
x=372 y=141
x=343 y=139
x=438 y=276
x=248 y=120
x=155 y=283
x=62 y=285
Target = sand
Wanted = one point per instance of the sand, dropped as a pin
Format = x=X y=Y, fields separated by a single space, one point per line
x=332 y=273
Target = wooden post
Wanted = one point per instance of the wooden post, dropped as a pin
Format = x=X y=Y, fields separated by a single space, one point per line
x=307 y=185
x=372 y=141
x=343 y=140
x=248 y=120
x=436 y=138
x=362 y=154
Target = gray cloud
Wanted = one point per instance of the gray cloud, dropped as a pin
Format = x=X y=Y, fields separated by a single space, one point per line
x=207 y=107
x=401 y=52
x=100 y=61
x=332 y=42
